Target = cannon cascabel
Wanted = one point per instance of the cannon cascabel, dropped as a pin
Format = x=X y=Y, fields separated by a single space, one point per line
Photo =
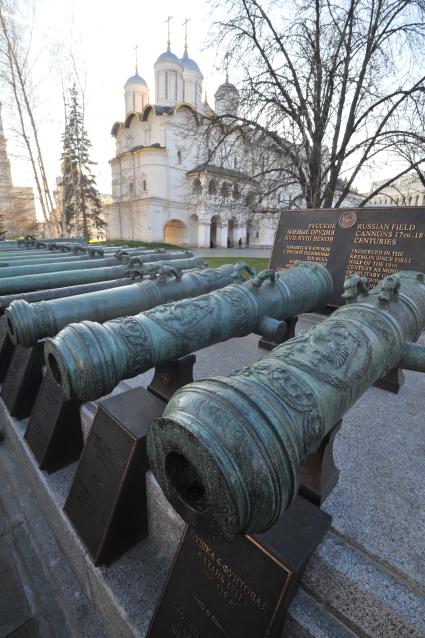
x=227 y=451
x=88 y=359
x=30 y=322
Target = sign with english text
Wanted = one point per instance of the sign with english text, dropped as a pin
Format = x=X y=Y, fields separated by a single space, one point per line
x=370 y=242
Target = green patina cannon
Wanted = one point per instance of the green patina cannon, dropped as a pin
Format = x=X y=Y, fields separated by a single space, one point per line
x=30 y=322
x=83 y=255
x=68 y=264
x=68 y=291
x=49 y=258
x=60 y=279
x=88 y=359
x=227 y=451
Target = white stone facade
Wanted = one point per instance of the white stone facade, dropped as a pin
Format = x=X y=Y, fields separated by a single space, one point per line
x=405 y=191
x=162 y=187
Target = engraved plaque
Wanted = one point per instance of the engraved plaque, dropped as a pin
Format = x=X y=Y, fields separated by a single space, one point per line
x=107 y=500
x=23 y=380
x=371 y=242
x=242 y=588
x=54 y=433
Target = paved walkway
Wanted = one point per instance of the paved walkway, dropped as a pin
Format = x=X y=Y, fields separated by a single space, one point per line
x=232 y=252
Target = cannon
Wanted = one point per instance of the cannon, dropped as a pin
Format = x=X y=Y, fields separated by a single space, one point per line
x=30 y=322
x=50 y=258
x=84 y=254
x=227 y=451
x=89 y=359
x=67 y=264
x=68 y=291
x=60 y=279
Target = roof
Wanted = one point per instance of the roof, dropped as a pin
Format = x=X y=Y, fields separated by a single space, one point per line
x=136 y=79
x=225 y=88
x=188 y=63
x=218 y=170
x=140 y=147
x=168 y=56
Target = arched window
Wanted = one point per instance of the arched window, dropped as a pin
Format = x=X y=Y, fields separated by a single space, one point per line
x=235 y=162
x=179 y=157
x=236 y=191
x=249 y=200
x=197 y=186
x=417 y=200
x=131 y=187
x=225 y=189
x=212 y=187
x=145 y=186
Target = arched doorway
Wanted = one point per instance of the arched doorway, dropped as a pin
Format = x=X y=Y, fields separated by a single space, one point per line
x=230 y=233
x=193 y=230
x=215 y=228
x=175 y=232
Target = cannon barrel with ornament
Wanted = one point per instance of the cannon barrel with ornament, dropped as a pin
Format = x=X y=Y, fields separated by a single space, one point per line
x=88 y=359
x=30 y=322
x=227 y=451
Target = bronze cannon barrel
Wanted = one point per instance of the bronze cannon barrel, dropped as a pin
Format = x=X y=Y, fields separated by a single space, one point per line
x=51 y=258
x=67 y=291
x=57 y=266
x=59 y=279
x=83 y=255
x=227 y=451
x=30 y=322
x=88 y=359
x=24 y=252
x=62 y=266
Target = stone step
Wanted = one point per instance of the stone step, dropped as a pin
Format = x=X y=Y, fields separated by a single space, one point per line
x=57 y=604
x=306 y=619
x=362 y=594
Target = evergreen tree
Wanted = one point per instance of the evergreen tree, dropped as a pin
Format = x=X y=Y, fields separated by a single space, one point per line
x=2 y=229
x=81 y=204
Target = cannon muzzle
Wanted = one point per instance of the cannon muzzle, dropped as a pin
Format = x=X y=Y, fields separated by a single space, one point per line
x=227 y=452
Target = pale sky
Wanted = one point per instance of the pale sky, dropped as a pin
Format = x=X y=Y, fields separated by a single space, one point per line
x=102 y=37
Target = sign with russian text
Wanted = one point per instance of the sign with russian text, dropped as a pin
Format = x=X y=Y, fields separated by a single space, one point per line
x=370 y=242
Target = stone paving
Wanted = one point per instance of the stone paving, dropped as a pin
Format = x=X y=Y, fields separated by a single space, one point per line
x=40 y=597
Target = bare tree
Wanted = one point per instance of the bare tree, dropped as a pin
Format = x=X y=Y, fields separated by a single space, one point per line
x=326 y=89
x=14 y=68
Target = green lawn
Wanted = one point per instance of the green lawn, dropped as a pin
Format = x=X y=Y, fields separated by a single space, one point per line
x=260 y=263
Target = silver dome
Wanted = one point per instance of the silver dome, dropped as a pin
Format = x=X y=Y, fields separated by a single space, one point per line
x=188 y=63
x=167 y=56
x=136 y=79
x=226 y=89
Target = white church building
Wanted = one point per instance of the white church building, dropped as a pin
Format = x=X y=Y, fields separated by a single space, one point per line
x=163 y=187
